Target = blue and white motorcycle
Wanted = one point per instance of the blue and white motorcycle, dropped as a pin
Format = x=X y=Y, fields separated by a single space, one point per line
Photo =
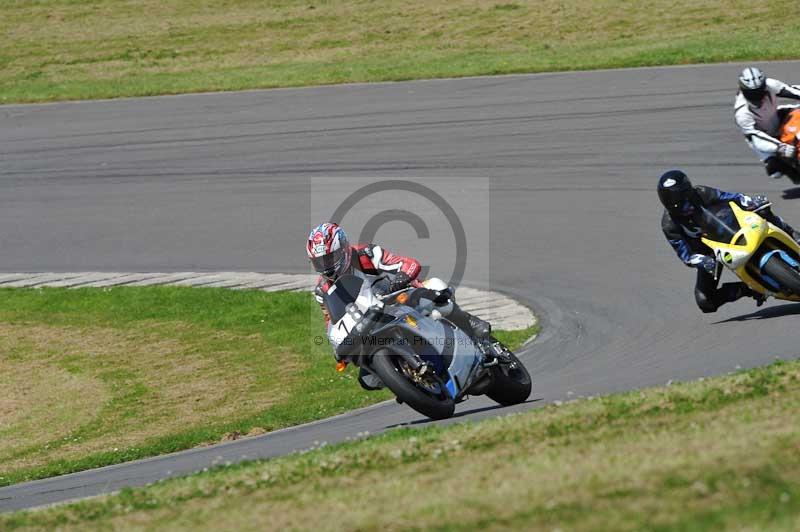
x=403 y=339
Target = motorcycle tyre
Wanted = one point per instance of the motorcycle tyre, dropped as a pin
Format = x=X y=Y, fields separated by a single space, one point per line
x=383 y=363
x=786 y=276
x=510 y=388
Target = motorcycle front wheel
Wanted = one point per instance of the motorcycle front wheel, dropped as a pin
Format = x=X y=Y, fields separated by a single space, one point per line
x=426 y=395
x=511 y=382
x=785 y=275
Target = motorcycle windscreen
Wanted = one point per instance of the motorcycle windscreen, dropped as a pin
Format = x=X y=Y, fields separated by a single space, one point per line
x=342 y=293
x=720 y=223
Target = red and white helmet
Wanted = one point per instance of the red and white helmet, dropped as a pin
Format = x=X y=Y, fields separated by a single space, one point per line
x=329 y=250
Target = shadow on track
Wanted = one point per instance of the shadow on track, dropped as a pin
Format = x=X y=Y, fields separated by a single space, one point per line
x=791 y=193
x=789 y=309
x=457 y=415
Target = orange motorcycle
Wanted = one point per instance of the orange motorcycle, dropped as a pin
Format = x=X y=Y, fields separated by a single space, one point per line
x=789 y=132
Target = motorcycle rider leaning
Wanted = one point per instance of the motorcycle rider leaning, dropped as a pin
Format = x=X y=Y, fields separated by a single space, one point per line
x=682 y=208
x=332 y=256
x=759 y=117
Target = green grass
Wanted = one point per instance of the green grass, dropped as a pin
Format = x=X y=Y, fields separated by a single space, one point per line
x=92 y=377
x=718 y=454
x=515 y=339
x=64 y=49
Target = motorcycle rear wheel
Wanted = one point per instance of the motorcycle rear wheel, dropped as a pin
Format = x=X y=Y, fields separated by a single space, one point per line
x=436 y=406
x=785 y=275
x=512 y=385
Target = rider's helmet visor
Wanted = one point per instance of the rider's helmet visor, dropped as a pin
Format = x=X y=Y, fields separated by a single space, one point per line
x=332 y=264
x=754 y=96
x=680 y=201
x=681 y=208
x=686 y=207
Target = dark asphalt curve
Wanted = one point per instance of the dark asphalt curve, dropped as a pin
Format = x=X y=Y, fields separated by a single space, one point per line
x=221 y=182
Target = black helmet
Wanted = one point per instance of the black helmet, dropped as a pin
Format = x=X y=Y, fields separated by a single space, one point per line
x=677 y=193
x=753 y=84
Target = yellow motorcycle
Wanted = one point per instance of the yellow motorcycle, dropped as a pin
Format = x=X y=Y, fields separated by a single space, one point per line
x=760 y=254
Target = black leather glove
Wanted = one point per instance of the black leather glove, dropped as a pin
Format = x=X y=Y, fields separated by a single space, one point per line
x=400 y=281
x=703 y=262
x=443 y=296
x=787 y=151
x=751 y=203
x=710 y=264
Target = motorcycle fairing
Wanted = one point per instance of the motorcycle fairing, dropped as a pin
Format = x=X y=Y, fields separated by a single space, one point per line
x=753 y=232
x=436 y=340
x=441 y=339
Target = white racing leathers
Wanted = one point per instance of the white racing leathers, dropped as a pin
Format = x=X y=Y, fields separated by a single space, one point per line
x=761 y=124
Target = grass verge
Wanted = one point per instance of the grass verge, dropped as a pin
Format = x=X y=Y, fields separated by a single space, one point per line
x=92 y=377
x=63 y=49
x=719 y=454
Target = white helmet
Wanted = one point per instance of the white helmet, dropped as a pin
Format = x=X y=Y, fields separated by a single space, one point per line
x=753 y=84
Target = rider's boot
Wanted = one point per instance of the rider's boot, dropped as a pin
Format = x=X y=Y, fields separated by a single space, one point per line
x=472 y=325
x=773 y=167
x=792 y=233
x=746 y=291
x=760 y=298
x=790 y=230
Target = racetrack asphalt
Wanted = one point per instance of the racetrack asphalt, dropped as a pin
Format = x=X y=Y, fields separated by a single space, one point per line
x=222 y=182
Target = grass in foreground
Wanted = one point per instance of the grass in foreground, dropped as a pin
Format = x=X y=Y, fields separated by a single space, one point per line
x=63 y=49
x=93 y=377
x=713 y=455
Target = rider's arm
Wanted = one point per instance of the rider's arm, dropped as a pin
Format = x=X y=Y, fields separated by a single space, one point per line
x=676 y=238
x=783 y=90
x=404 y=269
x=711 y=195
